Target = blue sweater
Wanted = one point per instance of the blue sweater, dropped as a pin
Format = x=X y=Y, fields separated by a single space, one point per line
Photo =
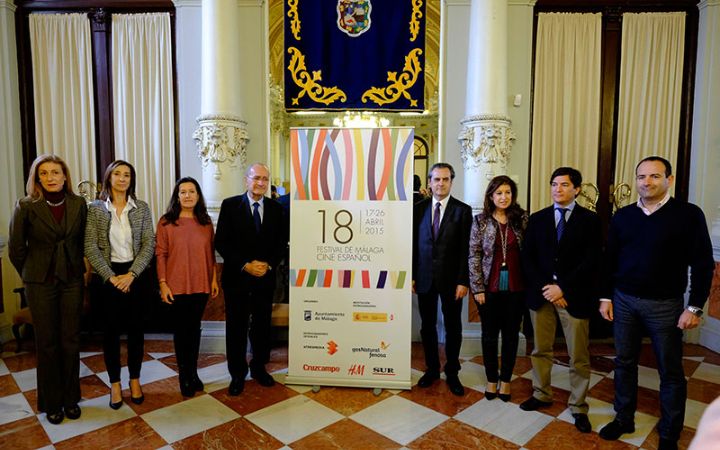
x=649 y=256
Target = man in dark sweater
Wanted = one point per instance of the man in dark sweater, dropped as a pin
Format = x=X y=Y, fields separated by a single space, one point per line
x=650 y=246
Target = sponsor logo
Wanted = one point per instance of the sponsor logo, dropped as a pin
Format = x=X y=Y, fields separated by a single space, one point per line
x=357 y=369
x=314 y=368
x=332 y=348
x=370 y=317
x=373 y=352
x=385 y=371
x=313 y=334
x=307 y=315
x=327 y=316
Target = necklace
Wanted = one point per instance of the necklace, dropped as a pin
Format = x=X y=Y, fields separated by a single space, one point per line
x=55 y=204
x=503 y=242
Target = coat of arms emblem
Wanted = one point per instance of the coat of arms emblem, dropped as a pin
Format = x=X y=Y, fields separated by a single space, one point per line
x=354 y=16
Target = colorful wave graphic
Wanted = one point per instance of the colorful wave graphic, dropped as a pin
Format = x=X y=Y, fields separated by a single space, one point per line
x=368 y=279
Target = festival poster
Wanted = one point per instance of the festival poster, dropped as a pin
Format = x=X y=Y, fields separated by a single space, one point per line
x=350 y=257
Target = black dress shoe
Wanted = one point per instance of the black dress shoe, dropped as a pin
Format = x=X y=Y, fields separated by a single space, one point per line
x=582 y=423
x=667 y=444
x=615 y=429
x=532 y=404
x=197 y=383
x=186 y=387
x=263 y=378
x=428 y=379
x=237 y=385
x=455 y=386
x=116 y=405
x=138 y=400
x=56 y=417
x=73 y=412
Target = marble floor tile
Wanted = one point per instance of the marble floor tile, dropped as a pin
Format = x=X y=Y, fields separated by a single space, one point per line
x=647 y=399
x=31 y=397
x=85 y=370
x=707 y=372
x=14 y=407
x=95 y=414
x=399 y=419
x=690 y=365
x=20 y=362
x=89 y=354
x=215 y=377
x=235 y=434
x=3 y=367
x=254 y=397
x=158 y=394
x=94 y=361
x=170 y=361
x=159 y=346
x=703 y=391
x=504 y=420
x=92 y=387
x=210 y=359
x=647 y=377
x=150 y=371
x=345 y=434
x=453 y=434
x=184 y=419
x=26 y=379
x=439 y=398
x=560 y=435
x=160 y=355
x=693 y=412
x=23 y=434
x=132 y=433
x=294 y=418
x=653 y=440
x=601 y=364
x=472 y=375
x=345 y=400
x=8 y=385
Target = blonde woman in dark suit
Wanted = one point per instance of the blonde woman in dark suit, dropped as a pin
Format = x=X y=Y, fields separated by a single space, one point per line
x=46 y=248
x=119 y=243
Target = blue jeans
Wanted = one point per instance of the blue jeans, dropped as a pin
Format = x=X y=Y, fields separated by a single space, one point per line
x=659 y=318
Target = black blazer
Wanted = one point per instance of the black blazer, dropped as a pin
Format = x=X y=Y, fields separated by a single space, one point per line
x=238 y=243
x=575 y=259
x=37 y=240
x=443 y=261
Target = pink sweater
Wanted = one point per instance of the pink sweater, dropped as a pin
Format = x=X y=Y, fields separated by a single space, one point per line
x=185 y=256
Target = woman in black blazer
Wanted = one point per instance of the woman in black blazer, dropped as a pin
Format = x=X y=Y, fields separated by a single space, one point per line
x=119 y=243
x=46 y=248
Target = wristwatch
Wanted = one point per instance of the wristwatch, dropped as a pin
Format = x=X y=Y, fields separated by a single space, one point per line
x=695 y=310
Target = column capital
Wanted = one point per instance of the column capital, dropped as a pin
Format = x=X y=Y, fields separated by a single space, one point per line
x=8 y=4
x=705 y=3
x=221 y=139
x=485 y=139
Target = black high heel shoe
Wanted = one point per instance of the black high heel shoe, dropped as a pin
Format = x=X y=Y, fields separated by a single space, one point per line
x=491 y=395
x=118 y=404
x=137 y=400
x=502 y=396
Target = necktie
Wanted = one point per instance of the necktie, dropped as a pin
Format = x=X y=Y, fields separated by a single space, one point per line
x=436 y=221
x=561 y=223
x=256 y=216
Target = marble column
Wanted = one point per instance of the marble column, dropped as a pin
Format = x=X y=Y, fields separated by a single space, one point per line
x=486 y=137
x=221 y=136
x=705 y=154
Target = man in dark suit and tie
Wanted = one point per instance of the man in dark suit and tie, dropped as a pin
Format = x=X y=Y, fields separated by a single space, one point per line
x=251 y=237
x=441 y=239
x=560 y=260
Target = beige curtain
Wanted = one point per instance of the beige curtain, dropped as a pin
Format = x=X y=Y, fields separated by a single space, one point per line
x=143 y=103
x=651 y=73
x=566 y=105
x=63 y=90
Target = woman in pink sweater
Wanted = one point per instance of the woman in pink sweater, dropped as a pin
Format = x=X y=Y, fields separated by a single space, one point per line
x=187 y=275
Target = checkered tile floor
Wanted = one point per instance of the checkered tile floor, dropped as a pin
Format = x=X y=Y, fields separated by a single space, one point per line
x=295 y=417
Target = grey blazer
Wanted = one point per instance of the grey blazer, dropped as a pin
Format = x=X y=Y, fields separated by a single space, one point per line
x=97 y=238
x=37 y=240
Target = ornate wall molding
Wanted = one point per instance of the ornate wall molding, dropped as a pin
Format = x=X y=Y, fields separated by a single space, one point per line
x=485 y=139
x=221 y=139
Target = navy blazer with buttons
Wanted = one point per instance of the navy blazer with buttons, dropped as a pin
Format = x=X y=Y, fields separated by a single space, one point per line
x=574 y=260
x=442 y=261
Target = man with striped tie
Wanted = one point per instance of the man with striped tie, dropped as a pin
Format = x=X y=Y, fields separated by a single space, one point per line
x=560 y=261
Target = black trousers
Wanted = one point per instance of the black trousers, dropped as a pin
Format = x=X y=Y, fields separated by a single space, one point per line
x=55 y=307
x=247 y=309
x=501 y=313
x=452 y=310
x=122 y=313
x=187 y=311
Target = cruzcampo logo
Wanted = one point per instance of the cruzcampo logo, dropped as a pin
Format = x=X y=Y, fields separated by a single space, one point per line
x=354 y=16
